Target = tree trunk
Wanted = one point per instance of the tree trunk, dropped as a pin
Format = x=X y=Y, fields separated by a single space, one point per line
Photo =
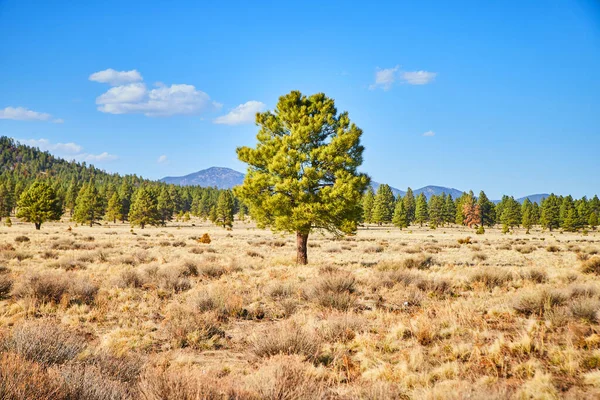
x=38 y=225
x=301 y=251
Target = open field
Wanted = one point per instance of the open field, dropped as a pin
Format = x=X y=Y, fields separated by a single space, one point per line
x=104 y=313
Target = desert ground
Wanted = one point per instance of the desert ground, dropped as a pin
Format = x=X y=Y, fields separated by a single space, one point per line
x=110 y=313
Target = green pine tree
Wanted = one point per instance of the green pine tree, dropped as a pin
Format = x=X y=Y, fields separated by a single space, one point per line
x=383 y=206
x=89 y=206
x=449 y=210
x=400 y=217
x=436 y=211
x=114 y=210
x=486 y=210
x=527 y=215
x=225 y=209
x=410 y=205
x=165 y=206
x=421 y=212
x=144 y=208
x=593 y=220
x=39 y=204
x=550 y=218
x=368 y=202
x=303 y=174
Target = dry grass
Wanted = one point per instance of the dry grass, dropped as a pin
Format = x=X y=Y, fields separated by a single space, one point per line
x=101 y=313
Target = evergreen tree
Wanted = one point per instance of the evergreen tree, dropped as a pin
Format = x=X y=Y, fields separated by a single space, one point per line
x=535 y=214
x=421 y=212
x=593 y=220
x=225 y=209
x=39 y=204
x=410 y=205
x=486 y=210
x=303 y=174
x=511 y=213
x=400 y=217
x=89 y=206
x=4 y=201
x=550 y=218
x=125 y=193
x=114 y=210
x=449 y=210
x=527 y=217
x=383 y=207
x=570 y=221
x=165 y=206
x=144 y=208
x=368 y=202
x=436 y=211
x=71 y=196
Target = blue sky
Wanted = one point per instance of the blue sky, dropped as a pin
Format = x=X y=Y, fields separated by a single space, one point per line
x=502 y=96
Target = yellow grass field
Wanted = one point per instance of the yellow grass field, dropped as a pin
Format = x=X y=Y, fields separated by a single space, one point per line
x=110 y=313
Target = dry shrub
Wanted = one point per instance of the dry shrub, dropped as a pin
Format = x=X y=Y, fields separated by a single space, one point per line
x=125 y=368
x=186 y=384
x=54 y=287
x=591 y=266
x=491 y=277
x=6 y=284
x=536 y=303
x=413 y=250
x=335 y=290
x=254 y=254
x=22 y=239
x=86 y=382
x=286 y=377
x=341 y=327
x=422 y=262
x=586 y=309
x=6 y=247
x=480 y=257
x=189 y=268
x=49 y=255
x=222 y=301
x=525 y=249
x=24 y=379
x=277 y=243
x=287 y=337
x=504 y=246
x=390 y=278
x=69 y=264
x=379 y=390
x=374 y=249
x=466 y=240
x=438 y=286
x=535 y=275
x=172 y=279
x=553 y=249
x=583 y=291
x=131 y=278
x=212 y=271
x=280 y=290
x=184 y=327
x=205 y=239
x=45 y=342
x=68 y=244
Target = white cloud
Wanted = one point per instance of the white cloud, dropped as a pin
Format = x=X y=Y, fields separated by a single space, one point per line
x=384 y=78
x=429 y=133
x=162 y=159
x=242 y=114
x=69 y=151
x=46 y=145
x=116 y=78
x=133 y=97
x=58 y=121
x=418 y=77
x=24 y=114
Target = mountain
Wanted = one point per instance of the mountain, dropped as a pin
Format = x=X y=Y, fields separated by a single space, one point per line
x=437 y=191
x=226 y=178
x=534 y=198
x=222 y=178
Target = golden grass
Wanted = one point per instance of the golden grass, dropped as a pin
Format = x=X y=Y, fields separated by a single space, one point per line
x=195 y=311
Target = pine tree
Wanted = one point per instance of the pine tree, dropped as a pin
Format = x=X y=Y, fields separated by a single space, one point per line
x=593 y=220
x=436 y=211
x=114 y=210
x=449 y=210
x=39 y=204
x=125 y=193
x=303 y=174
x=550 y=218
x=511 y=214
x=471 y=214
x=421 y=212
x=4 y=201
x=367 y=205
x=225 y=209
x=144 y=208
x=89 y=206
x=71 y=196
x=410 y=205
x=400 y=218
x=383 y=207
x=570 y=221
x=165 y=206
x=486 y=210
x=527 y=217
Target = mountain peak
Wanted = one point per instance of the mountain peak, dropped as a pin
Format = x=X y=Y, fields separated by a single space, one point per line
x=220 y=177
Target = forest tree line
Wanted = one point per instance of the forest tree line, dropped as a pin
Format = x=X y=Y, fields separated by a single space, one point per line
x=554 y=212
x=39 y=187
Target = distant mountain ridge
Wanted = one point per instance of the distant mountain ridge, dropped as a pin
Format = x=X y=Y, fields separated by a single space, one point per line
x=227 y=178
